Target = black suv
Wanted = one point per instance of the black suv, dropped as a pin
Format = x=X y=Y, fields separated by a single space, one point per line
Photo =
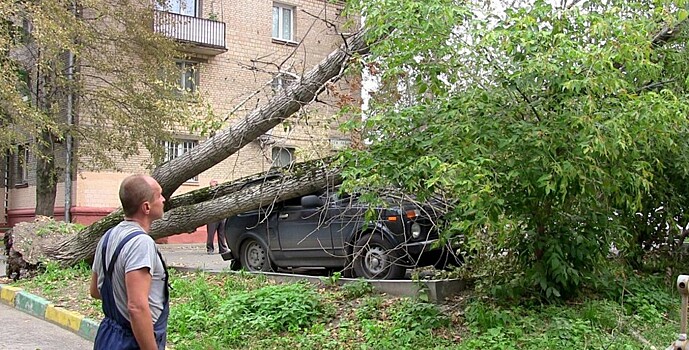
x=331 y=231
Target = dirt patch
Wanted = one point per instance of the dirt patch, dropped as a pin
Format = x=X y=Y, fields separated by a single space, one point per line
x=72 y=295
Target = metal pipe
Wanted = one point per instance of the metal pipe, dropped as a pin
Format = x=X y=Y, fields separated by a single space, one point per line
x=683 y=324
x=683 y=288
x=68 y=138
x=6 y=184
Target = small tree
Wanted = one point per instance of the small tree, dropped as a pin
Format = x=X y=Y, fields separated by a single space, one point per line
x=548 y=126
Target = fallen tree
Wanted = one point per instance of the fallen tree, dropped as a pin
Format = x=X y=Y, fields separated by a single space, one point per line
x=191 y=210
x=227 y=142
x=199 y=207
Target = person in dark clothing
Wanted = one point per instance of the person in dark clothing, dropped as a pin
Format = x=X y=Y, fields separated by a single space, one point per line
x=216 y=227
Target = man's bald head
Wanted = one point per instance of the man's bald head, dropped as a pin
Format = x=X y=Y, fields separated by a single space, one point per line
x=134 y=190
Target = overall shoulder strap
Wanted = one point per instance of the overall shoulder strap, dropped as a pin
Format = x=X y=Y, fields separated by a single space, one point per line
x=104 y=249
x=116 y=254
x=167 y=276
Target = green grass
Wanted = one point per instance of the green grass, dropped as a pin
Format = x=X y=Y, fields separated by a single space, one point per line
x=243 y=311
x=68 y=288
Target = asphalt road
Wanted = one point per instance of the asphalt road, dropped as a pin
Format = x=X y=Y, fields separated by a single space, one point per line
x=24 y=332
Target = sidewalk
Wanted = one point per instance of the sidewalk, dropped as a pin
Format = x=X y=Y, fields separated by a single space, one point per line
x=192 y=256
x=189 y=256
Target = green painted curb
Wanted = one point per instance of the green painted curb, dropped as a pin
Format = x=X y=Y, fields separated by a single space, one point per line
x=88 y=329
x=37 y=306
x=31 y=304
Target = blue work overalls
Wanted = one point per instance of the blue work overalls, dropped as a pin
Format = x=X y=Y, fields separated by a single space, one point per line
x=115 y=332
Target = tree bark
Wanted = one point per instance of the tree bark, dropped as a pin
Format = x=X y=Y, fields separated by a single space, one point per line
x=46 y=175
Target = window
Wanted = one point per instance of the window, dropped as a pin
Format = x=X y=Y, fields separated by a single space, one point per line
x=282 y=156
x=182 y=7
x=188 y=76
x=283 y=22
x=281 y=81
x=174 y=149
x=21 y=34
x=22 y=165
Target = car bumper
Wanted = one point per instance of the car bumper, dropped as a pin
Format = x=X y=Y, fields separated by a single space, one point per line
x=422 y=246
x=427 y=252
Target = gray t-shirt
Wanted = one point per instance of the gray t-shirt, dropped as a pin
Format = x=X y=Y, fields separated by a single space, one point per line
x=139 y=252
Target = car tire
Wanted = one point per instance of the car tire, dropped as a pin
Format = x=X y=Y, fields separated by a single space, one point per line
x=376 y=258
x=253 y=256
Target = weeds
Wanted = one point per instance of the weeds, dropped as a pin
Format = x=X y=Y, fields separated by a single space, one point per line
x=59 y=227
x=244 y=311
x=369 y=309
x=356 y=289
x=332 y=280
x=67 y=287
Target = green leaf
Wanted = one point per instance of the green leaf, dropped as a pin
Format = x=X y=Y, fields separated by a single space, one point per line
x=682 y=14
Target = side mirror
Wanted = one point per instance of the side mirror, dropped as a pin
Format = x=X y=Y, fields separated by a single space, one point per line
x=311 y=202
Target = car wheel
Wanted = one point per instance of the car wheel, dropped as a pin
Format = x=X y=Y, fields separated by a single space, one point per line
x=375 y=258
x=254 y=257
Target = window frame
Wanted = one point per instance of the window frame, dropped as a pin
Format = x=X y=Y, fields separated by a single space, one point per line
x=175 y=6
x=21 y=165
x=180 y=146
x=280 y=20
x=184 y=67
x=276 y=157
x=280 y=81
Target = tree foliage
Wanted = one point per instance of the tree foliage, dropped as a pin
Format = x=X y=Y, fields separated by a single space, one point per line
x=121 y=76
x=549 y=127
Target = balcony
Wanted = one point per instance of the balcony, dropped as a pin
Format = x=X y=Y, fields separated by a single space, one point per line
x=203 y=36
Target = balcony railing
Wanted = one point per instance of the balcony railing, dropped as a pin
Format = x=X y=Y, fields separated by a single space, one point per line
x=204 y=35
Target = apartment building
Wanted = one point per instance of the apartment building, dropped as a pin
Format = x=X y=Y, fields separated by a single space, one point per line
x=237 y=54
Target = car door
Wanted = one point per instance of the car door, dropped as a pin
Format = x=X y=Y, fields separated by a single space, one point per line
x=346 y=217
x=304 y=233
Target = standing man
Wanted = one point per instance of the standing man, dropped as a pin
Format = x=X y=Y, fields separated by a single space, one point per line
x=212 y=228
x=129 y=274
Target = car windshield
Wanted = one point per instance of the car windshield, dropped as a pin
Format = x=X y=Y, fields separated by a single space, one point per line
x=337 y=195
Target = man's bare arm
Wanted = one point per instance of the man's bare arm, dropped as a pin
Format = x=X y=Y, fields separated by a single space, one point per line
x=138 y=284
x=93 y=289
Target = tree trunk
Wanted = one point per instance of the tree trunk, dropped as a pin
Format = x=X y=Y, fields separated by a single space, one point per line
x=46 y=175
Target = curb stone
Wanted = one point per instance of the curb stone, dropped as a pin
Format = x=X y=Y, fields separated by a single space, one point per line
x=43 y=309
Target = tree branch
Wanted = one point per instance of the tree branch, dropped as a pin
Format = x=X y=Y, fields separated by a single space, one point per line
x=229 y=140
